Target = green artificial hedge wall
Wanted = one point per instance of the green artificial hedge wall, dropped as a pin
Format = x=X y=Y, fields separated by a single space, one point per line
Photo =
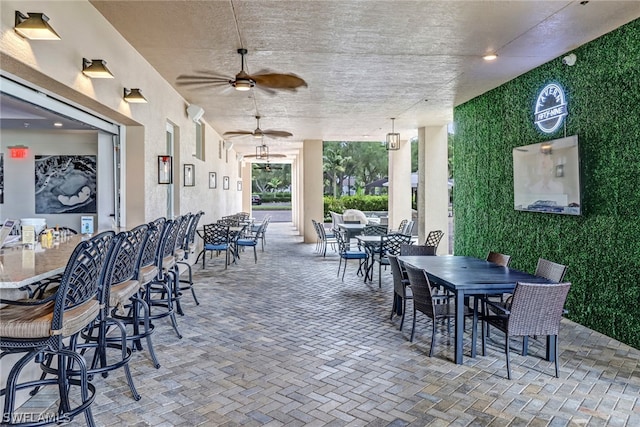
x=601 y=247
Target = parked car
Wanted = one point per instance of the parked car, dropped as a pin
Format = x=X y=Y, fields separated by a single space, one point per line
x=545 y=206
x=256 y=200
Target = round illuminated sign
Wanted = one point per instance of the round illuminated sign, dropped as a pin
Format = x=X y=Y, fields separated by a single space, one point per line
x=551 y=108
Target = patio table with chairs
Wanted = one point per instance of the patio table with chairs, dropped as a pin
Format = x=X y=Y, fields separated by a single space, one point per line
x=466 y=276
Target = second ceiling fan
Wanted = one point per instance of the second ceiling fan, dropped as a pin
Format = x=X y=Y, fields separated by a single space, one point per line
x=258 y=133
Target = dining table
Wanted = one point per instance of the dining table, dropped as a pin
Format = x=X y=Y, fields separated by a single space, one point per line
x=371 y=244
x=22 y=265
x=467 y=276
x=351 y=230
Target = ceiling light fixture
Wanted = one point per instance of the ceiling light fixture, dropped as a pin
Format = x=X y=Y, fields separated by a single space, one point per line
x=58 y=124
x=490 y=57
x=96 y=69
x=34 y=26
x=133 y=96
x=393 y=138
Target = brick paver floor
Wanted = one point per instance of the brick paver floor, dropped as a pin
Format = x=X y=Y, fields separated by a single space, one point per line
x=284 y=342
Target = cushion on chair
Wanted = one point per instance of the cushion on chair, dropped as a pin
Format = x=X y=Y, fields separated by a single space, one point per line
x=148 y=273
x=221 y=247
x=168 y=262
x=120 y=293
x=246 y=242
x=354 y=255
x=179 y=254
x=35 y=321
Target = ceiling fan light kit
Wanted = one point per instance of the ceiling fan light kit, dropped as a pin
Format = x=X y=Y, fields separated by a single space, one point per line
x=244 y=81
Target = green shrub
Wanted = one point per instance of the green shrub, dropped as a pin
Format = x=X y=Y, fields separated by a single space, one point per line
x=360 y=202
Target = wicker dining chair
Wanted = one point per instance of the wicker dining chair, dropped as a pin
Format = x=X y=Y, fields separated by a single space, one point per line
x=535 y=309
x=401 y=290
x=427 y=301
x=550 y=270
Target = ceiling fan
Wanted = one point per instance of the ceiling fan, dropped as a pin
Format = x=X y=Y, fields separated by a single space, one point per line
x=258 y=133
x=267 y=167
x=243 y=81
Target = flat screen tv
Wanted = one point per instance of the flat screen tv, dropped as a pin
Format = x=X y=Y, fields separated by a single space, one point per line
x=546 y=177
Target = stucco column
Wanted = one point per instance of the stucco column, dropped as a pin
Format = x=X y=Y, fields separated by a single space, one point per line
x=399 y=185
x=311 y=196
x=433 y=190
x=245 y=172
x=295 y=193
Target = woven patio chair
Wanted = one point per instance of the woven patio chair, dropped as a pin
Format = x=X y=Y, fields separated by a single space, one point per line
x=427 y=301
x=535 y=309
x=401 y=290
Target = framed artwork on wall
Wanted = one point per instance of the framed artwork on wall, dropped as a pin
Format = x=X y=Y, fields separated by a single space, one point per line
x=239 y=185
x=65 y=184
x=213 y=180
x=225 y=183
x=189 y=175
x=165 y=169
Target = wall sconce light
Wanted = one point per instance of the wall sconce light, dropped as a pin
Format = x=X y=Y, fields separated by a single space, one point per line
x=34 y=26
x=262 y=152
x=393 y=138
x=18 y=151
x=228 y=145
x=133 y=96
x=96 y=69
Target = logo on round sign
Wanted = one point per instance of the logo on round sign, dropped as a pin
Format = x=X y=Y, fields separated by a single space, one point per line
x=551 y=108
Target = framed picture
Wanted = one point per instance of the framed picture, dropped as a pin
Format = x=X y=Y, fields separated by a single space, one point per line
x=239 y=185
x=189 y=175
x=225 y=183
x=165 y=169
x=213 y=180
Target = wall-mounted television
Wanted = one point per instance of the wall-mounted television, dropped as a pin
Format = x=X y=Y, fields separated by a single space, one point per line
x=546 y=177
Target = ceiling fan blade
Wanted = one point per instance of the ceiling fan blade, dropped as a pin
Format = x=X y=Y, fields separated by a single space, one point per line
x=278 y=81
x=277 y=133
x=237 y=133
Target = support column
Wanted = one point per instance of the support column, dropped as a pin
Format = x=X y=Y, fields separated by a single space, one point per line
x=312 y=192
x=433 y=190
x=295 y=192
x=399 y=185
x=245 y=172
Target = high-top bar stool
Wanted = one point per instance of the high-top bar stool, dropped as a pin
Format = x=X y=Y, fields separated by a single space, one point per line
x=184 y=247
x=137 y=311
x=117 y=286
x=38 y=328
x=161 y=290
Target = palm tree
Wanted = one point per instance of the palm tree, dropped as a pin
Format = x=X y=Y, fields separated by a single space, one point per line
x=274 y=183
x=334 y=164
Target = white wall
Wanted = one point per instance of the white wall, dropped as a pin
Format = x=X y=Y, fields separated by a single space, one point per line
x=55 y=68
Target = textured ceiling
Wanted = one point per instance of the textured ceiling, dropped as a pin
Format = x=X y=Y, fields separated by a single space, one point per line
x=364 y=61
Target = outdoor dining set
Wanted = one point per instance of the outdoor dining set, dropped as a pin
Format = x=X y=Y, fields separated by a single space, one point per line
x=454 y=288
